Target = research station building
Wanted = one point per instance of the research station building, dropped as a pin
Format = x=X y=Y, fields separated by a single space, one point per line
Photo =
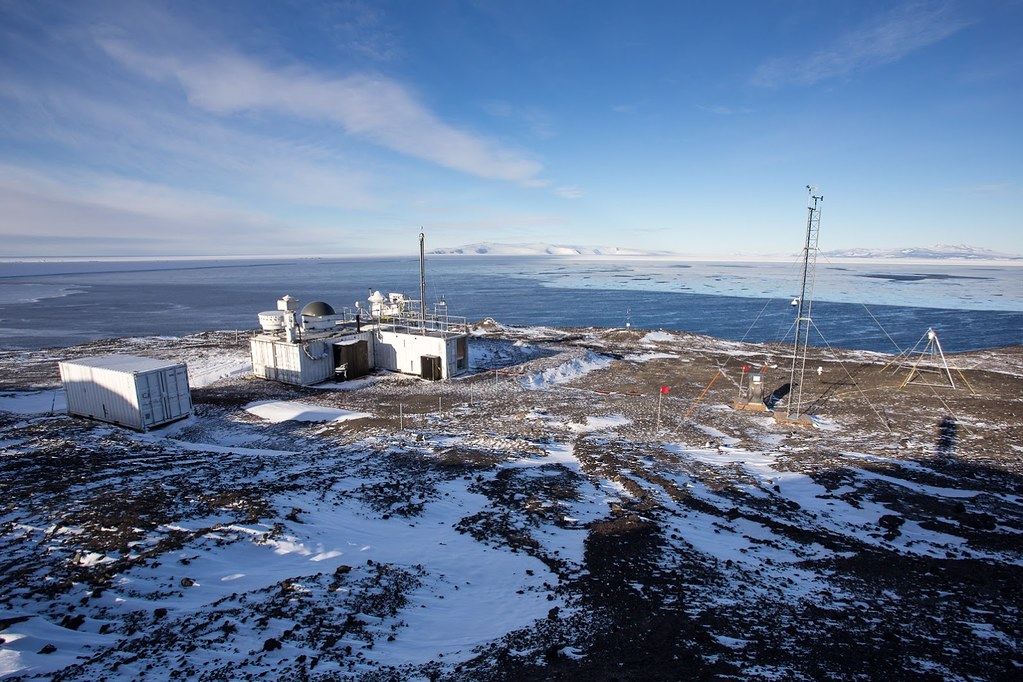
x=308 y=345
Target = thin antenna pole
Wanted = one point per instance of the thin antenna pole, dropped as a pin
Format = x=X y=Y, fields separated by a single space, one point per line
x=941 y=353
x=422 y=281
x=803 y=319
x=657 y=428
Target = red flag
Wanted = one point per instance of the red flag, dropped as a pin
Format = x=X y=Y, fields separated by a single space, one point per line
x=664 y=389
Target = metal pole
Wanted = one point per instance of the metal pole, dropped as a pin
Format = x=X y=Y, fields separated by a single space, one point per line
x=934 y=335
x=422 y=281
x=659 y=394
x=800 y=344
x=707 y=388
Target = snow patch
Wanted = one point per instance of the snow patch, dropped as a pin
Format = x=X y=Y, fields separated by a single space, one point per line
x=647 y=357
x=612 y=421
x=277 y=411
x=654 y=337
x=566 y=372
x=208 y=370
x=34 y=402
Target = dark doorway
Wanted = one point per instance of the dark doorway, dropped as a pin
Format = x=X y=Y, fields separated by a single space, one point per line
x=431 y=367
x=351 y=360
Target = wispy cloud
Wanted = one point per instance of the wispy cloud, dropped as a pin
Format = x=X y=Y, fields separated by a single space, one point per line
x=537 y=121
x=722 y=110
x=506 y=226
x=209 y=149
x=359 y=26
x=569 y=192
x=991 y=189
x=369 y=106
x=889 y=38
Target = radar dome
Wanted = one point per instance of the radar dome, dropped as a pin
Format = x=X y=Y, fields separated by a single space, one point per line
x=317 y=309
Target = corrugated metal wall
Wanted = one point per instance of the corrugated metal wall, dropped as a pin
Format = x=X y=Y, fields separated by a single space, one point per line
x=137 y=399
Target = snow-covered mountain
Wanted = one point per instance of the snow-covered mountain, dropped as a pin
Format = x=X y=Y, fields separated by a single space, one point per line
x=540 y=249
x=936 y=252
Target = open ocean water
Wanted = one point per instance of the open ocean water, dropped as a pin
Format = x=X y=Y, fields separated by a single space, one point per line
x=870 y=306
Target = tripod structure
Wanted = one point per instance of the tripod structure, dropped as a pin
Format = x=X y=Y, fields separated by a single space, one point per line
x=930 y=362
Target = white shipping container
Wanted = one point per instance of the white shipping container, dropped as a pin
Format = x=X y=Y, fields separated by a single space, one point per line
x=128 y=390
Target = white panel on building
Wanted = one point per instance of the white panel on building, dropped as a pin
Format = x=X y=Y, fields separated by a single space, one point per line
x=132 y=391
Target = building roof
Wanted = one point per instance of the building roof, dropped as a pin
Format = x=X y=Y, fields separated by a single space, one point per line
x=123 y=363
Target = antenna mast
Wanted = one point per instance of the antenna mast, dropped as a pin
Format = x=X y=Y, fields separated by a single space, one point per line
x=422 y=280
x=803 y=319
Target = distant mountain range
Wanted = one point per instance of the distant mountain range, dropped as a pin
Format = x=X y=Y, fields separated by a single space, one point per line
x=937 y=252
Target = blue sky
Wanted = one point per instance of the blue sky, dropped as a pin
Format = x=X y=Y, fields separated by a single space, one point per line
x=244 y=127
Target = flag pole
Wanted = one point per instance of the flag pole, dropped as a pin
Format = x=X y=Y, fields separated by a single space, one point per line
x=659 y=394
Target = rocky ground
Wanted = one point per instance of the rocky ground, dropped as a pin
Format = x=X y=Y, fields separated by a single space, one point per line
x=553 y=515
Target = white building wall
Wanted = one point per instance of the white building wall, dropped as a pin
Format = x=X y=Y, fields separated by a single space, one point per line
x=403 y=352
x=385 y=352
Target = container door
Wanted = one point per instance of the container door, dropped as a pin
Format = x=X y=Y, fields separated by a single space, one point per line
x=177 y=397
x=360 y=352
x=150 y=393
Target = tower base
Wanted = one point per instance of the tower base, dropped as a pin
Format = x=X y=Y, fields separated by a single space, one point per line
x=753 y=405
x=793 y=419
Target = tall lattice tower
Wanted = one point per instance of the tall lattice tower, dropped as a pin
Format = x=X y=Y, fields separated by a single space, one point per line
x=803 y=318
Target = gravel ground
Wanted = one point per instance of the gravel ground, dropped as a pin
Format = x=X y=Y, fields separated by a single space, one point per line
x=883 y=542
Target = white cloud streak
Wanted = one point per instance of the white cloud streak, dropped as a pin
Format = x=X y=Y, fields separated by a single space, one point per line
x=722 y=110
x=569 y=192
x=159 y=136
x=895 y=34
x=371 y=107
